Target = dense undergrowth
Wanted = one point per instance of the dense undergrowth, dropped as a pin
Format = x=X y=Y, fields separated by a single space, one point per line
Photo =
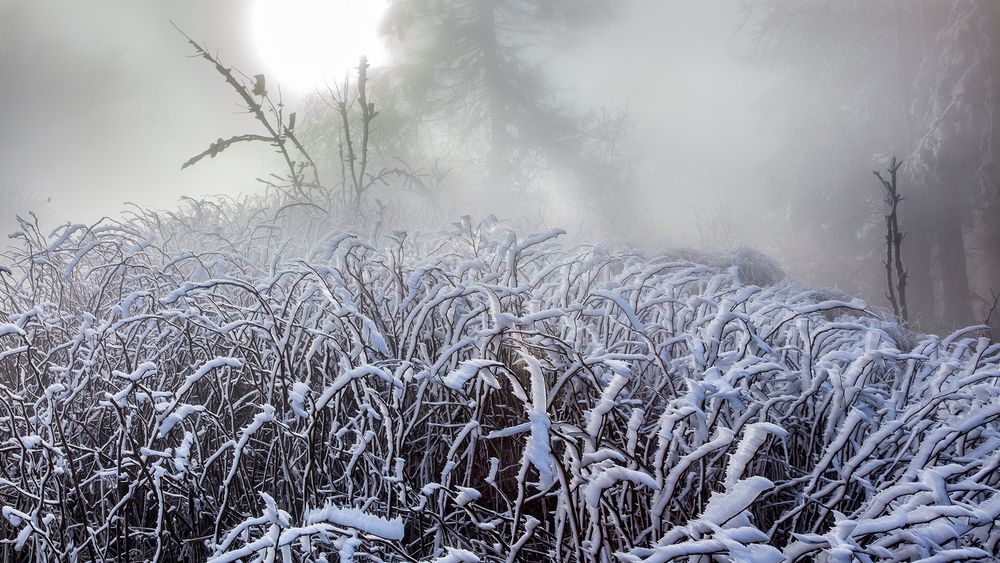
x=234 y=381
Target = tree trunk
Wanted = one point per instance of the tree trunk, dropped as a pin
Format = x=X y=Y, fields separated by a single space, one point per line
x=916 y=223
x=913 y=40
x=494 y=84
x=949 y=196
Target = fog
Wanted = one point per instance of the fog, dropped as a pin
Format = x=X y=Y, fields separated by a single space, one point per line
x=744 y=125
x=499 y=280
x=102 y=103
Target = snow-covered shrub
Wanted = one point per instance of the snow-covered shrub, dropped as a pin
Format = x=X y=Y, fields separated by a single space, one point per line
x=747 y=265
x=233 y=382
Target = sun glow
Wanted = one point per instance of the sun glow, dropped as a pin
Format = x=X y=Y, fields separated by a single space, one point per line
x=305 y=44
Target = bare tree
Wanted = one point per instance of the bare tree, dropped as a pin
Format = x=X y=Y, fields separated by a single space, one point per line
x=271 y=116
x=355 y=142
x=895 y=273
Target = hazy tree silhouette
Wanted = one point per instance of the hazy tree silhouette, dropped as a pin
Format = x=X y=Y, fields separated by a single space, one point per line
x=475 y=69
x=914 y=78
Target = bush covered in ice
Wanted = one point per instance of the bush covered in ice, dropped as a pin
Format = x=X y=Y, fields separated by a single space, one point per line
x=218 y=384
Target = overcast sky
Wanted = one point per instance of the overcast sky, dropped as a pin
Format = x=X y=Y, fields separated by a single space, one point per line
x=102 y=102
x=696 y=105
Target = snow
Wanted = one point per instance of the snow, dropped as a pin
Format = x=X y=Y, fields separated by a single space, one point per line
x=176 y=415
x=465 y=371
x=538 y=450
x=605 y=404
x=31 y=442
x=739 y=496
x=625 y=308
x=466 y=495
x=6 y=329
x=457 y=555
x=753 y=437
x=390 y=529
x=141 y=371
x=608 y=476
x=182 y=454
x=297 y=398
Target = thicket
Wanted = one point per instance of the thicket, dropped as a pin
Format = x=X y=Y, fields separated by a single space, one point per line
x=211 y=383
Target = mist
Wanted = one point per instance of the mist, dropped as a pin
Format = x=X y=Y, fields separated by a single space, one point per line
x=102 y=103
x=739 y=129
x=488 y=281
x=112 y=88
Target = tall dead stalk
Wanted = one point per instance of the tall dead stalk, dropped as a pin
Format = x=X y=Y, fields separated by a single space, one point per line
x=354 y=145
x=280 y=131
x=895 y=273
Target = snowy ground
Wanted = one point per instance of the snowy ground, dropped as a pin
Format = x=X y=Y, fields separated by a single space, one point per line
x=236 y=383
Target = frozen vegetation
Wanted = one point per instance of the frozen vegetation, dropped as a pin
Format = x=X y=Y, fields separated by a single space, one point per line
x=234 y=382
